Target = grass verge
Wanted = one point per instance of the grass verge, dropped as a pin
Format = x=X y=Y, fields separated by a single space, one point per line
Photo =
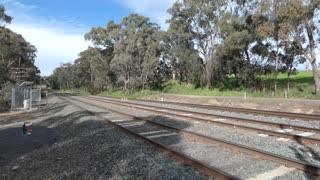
x=301 y=86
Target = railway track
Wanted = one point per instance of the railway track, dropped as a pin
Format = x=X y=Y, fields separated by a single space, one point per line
x=202 y=167
x=203 y=117
x=307 y=117
x=218 y=142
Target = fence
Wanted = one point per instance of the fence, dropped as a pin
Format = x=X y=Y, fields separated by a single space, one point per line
x=25 y=98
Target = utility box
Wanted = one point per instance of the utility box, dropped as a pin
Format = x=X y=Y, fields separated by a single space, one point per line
x=26 y=104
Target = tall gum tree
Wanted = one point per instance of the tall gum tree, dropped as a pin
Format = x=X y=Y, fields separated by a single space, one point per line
x=136 y=48
x=179 y=42
x=269 y=23
x=202 y=15
x=303 y=19
x=15 y=52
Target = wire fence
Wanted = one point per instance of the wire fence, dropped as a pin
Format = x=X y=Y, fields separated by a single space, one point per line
x=25 y=98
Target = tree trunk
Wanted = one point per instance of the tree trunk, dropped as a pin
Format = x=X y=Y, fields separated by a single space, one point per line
x=247 y=54
x=276 y=75
x=316 y=77
x=144 y=81
x=277 y=67
x=208 y=74
x=209 y=85
x=288 y=80
x=312 y=59
x=174 y=74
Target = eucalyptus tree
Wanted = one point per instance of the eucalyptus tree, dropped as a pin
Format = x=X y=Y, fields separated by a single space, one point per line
x=83 y=71
x=268 y=21
x=202 y=17
x=142 y=45
x=135 y=46
x=309 y=19
x=65 y=76
x=101 y=73
x=15 y=52
x=291 y=58
x=301 y=28
x=180 y=45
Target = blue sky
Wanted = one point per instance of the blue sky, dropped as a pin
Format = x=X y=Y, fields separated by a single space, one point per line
x=57 y=27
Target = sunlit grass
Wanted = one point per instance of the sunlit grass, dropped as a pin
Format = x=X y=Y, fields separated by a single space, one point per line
x=301 y=87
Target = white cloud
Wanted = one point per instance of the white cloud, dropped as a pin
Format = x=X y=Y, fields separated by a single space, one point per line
x=54 y=46
x=60 y=40
x=155 y=9
x=57 y=40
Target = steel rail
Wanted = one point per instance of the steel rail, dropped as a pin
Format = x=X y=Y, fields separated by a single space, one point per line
x=307 y=117
x=256 y=153
x=272 y=124
x=200 y=166
x=192 y=118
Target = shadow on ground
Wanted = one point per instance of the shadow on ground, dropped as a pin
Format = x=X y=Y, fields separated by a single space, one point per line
x=306 y=154
x=13 y=142
x=53 y=109
x=72 y=145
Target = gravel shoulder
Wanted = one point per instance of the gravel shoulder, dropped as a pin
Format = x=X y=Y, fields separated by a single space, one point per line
x=67 y=143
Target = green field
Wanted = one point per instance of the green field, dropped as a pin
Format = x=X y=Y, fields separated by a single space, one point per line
x=301 y=87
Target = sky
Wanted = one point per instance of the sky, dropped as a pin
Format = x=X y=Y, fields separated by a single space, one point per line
x=57 y=27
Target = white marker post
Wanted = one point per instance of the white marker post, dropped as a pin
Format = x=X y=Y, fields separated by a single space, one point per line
x=285 y=95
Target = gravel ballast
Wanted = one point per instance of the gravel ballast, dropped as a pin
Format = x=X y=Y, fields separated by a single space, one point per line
x=288 y=149
x=297 y=122
x=310 y=124
x=81 y=147
x=237 y=164
x=296 y=150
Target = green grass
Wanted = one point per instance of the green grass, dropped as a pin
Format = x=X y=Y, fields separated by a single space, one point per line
x=301 y=87
x=302 y=78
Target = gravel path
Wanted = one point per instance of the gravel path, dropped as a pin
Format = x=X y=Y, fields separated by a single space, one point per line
x=76 y=146
x=290 y=149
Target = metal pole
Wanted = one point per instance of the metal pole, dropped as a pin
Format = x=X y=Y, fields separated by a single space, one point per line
x=13 y=99
x=30 y=98
x=39 y=99
x=46 y=101
x=285 y=95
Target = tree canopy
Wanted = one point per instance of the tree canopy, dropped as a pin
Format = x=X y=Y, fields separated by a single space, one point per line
x=206 y=42
x=15 y=54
